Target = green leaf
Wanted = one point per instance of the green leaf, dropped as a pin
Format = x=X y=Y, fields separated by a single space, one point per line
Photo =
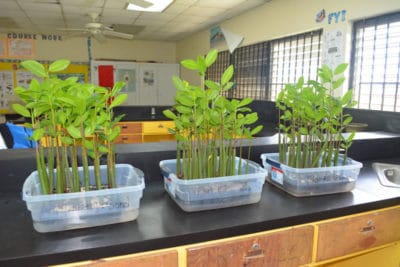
x=103 y=149
x=201 y=63
x=212 y=85
x=211 y=57
x=228 y=86
x=227 y=75
x=67 y=100
x=340 y=68
x=183 y=110
x=117 y=88
x=35 y=67
x=251 y=118
x=347 y=120
x=88 y=144
x=245 y=102
x=67 y=140
x=169 y=114
x=190 y=64
x=59 y=65
x=74 y=132
x=118 y=100
x=20 y=109
x=325 y=73
x=347 y=97
x=256 y=130
x=179 y=84
x=114 y=134
x=185 y=100
x=300 y=82
x=38 y=134
x=336 y=84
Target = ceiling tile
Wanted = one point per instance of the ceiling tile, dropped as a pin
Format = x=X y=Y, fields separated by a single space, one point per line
x=223 y=4
x=203 y=11
x=180 y=19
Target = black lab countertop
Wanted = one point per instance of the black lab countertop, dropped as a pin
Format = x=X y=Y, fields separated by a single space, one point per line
x=161 y=223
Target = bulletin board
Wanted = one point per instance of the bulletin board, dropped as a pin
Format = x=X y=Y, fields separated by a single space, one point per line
x=13 y=75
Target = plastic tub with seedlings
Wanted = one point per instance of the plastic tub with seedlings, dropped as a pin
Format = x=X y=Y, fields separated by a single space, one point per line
x=302 y=182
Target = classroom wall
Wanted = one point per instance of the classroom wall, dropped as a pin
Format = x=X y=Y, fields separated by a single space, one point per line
x=279 y=18
x=76 y=49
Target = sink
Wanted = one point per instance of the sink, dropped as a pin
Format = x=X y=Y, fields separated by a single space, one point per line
x=388 y=174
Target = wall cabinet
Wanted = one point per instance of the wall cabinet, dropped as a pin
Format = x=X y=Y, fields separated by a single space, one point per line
x=146 y=83
x=362 y=240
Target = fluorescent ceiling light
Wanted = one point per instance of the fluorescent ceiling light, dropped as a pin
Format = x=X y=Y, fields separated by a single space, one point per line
x=148 y=5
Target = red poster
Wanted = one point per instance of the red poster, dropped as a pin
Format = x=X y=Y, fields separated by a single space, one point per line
x=106 y=75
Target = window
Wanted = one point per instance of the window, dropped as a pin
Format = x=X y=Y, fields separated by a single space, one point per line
x=262 y=69
x=293 y=57
x=375 y=69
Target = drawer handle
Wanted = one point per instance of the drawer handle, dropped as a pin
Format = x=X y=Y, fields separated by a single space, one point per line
x=124 y=126
x=367 y=229
x=160 y=126
x=255 y=253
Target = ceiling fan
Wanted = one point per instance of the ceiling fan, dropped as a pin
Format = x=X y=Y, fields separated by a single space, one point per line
x=98 y=30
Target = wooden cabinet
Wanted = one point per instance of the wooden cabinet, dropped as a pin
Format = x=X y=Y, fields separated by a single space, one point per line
x=361 y=240
x=353 y=234
x=131 y=132
x=156 y=259
x=292 y=247
x=144 y=131
x=385 y=257
x=154 y=131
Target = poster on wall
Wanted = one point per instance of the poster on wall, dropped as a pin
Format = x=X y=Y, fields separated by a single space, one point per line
x=3 y=47
x=21 y=48
x=333 y=51
x=216 y=37
x=106 y=76
x=24 y=78
x=64 y=76
x=128 y=76
x=148 y=78
x=6 y=88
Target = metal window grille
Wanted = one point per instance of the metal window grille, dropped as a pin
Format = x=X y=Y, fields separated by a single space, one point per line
x=262 y=69
x=375 y=65
x=293 y=57
x=250 y=63
x=216 y=70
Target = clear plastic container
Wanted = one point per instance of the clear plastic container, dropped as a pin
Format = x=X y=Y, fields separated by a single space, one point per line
x=214 y=193
x=59 y=212
x=302 y=182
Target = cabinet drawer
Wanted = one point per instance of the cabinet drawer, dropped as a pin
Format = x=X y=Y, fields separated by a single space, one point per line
x=291 y=247
x=160 y=259
x=129 y=139
x=130 y=127
x=353 y=234
x=157 y=127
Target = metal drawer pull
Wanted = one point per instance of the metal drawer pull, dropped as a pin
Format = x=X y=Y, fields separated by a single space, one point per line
x=367 y=229
x=255 y=253
x=124 y=126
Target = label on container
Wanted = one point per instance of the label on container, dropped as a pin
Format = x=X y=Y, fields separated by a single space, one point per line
x=277 y=175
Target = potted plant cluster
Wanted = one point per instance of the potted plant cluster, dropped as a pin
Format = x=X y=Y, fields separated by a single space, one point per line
x=73 y=125
x=209 y=171
x=312 y=158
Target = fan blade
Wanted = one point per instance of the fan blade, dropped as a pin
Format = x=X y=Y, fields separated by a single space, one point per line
x=99 y=36
x=118 y=34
